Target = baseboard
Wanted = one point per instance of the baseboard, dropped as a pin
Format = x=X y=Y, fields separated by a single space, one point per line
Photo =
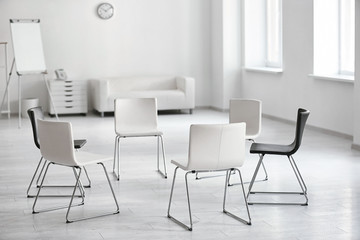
x=218 y=109
x=318 y=129
x=355 y=147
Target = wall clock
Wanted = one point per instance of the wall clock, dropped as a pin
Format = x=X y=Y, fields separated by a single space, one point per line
x=105 y=10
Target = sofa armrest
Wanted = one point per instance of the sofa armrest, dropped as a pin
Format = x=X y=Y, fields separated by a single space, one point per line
x=187 y=85
x=99 y=91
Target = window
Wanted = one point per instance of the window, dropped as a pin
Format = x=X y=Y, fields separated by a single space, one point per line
x=347 y=37
x=334 y=38
x=273 y=33
x=263 y=33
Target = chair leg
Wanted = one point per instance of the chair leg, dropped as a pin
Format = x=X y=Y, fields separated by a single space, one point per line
x=300 y=179
x=255 y=174
x=248 y=222
x=188 y=200
x=298 y=176
x=39 y=177
x=33 y=177
x=111 y=188
x=263 y=166
x=164 y=174
x=102 y=215
x=41 y=186
x=89 y=181
x=41 y=171
x=117 y=158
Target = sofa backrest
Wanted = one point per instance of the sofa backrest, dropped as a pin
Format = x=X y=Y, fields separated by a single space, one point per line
x=141 y=83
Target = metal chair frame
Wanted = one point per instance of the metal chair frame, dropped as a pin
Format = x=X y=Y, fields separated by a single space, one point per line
x=117 y=155
x=57 y=186
x=298 y=177
x=82 y=194
x=190 y=226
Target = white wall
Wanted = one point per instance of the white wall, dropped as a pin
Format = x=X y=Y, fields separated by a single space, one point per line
x=330 y=103
x=226 y=51
x=143 y=37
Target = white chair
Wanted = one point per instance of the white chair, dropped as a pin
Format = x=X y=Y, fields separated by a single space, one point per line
x=34 y=114
x=57 y=146
x=136 y=117
x=214 y=147
x=248 y=111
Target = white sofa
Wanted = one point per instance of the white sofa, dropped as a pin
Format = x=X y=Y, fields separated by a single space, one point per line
x=171 y=92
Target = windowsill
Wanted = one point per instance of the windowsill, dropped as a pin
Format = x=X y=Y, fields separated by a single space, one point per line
x=334 y=77
x=264 y=69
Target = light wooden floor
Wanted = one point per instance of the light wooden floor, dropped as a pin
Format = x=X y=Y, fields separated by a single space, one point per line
x=329 y=166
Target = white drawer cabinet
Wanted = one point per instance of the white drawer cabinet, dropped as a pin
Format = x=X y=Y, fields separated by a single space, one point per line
x=69 y=97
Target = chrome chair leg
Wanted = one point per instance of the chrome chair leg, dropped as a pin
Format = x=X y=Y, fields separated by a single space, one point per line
x=33 y=177
x=49 y=186
x=262 y=163
x=87 y=176
x=264 y=169
x=164 y=174
x=102 y=215
x=248 y=222
x=190 y=227
x=117 y=158
x=300 y=180
x=254 y=176
x=41 y=171
x=298 y=176
x=41 y=186
x=188 y=200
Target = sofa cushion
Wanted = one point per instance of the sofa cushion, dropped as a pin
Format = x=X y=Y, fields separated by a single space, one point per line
x=141 y=83
x=166 y=99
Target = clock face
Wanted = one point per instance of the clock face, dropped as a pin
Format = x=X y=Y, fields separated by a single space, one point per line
x=105 y=10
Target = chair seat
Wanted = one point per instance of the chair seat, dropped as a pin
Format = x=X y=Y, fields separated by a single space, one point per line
x=85 y=158
x=140 y=133
x=79 y=143
x=181 y=164
x=264 y=148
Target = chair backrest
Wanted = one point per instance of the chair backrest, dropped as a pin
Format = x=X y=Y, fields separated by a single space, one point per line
x=249 y=112
x=56 y=140
x=216 y=146
x=135 y=114
x=34 y=114
x=302 y=116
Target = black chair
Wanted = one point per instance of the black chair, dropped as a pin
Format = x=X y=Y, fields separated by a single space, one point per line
x=34 y=114
x=286 y=150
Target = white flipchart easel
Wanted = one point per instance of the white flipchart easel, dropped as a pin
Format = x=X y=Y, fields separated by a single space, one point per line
x=28 y=54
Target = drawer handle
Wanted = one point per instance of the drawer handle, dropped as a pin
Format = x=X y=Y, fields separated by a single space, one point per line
x=68 y=95
x=68 y=100
x=68 y=90
x=68 y=85
x=68 y=106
